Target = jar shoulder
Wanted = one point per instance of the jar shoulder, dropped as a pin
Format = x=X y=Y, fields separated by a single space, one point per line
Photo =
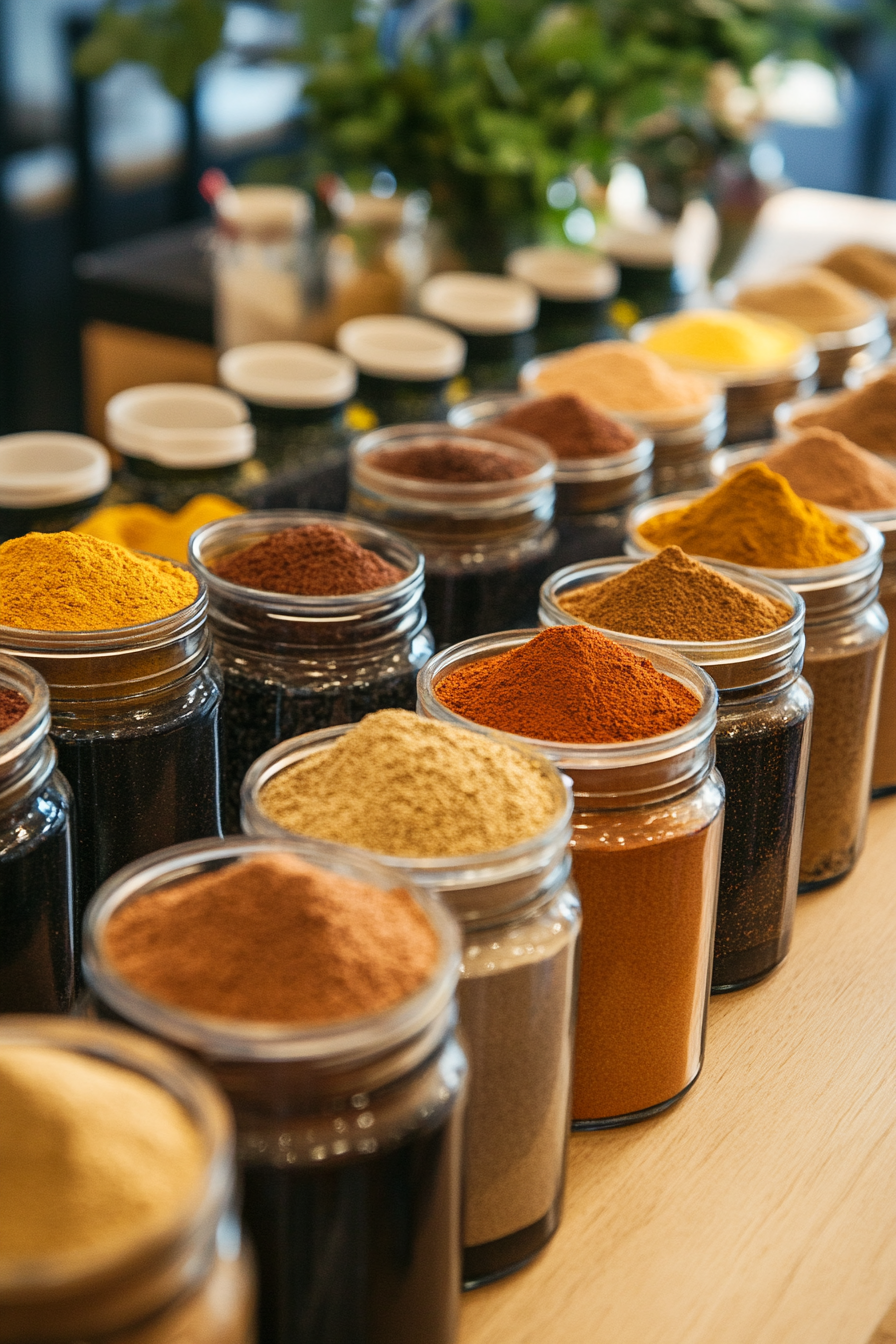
x=42 y=814
x=186 y=702
x=862 y=632
x=672 y=819
x=758 y=716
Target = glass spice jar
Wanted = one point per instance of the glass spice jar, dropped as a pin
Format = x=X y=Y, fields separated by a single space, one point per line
x=646 y=842
x=519 y=915
x=487 y=544
x=348 y=1133
x=179 y=440
x=135 y=723
x=37 y=942
x=593 y=495
x=292 y=664
x=575 y=286
x=297 y=396
x=762 y=753
x=189 y=1282
x=846 y=637
x=883 y=772
x=49 y=482
x=495 y=315
x=406 y=366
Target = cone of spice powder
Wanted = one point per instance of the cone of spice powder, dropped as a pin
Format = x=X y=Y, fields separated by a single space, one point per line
x=319 y=991
x=634 y=733
x=486 y=827
x=866 y=417
x=747 y=634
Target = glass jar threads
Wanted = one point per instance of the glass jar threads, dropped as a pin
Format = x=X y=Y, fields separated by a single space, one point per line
x=297 y=395
x=519 y=917
x=846 y=634
x=37 y=942
x=49 y=482
x=179 y=440
x=485 y=540
x=496 y=316
x=762 y=753
x=135 y=723
x=293 y=664
x=405 y=367
x=348 y=1132
x=574 y=285
x=646 y=840
x=184 y=1280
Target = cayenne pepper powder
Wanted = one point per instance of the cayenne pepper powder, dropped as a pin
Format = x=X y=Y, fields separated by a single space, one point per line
x=570 y=426
x=313 y=561
x=452 y=463
x=569 y=684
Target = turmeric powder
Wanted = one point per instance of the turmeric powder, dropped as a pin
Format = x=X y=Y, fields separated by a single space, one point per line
x=754 y=518
x=143 y=527
x=62 y=581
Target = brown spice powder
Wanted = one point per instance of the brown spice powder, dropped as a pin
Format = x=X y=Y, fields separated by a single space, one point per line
x=647 y=916
x=824 y=466
x=12 y=707
x=866 y=417
x=570 y=427
x=449 y=463
x=314 y=561
x=864 y=266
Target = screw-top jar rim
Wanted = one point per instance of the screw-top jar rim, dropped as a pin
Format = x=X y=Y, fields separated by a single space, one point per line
x=43 y=469
x=323 y=1045
x=406 y=349
x=204 y=1104
x=291 y=374
x=592 y=766
x=183 y=426
x=458 y=879
x=734 y=664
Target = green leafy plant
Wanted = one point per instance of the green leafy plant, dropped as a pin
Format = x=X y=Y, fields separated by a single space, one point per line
x=175 y=37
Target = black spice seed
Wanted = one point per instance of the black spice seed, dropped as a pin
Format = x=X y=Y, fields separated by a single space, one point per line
x=759 y=756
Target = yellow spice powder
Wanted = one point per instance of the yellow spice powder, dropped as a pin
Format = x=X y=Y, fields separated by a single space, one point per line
x=620 y=376
x=143 y=527
x=813 y=298
x=716 y=339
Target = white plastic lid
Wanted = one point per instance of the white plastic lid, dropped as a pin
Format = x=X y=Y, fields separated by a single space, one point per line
x=402 y=347
x=487 y=305
x=564 y=273
x=181 y=425
x=637 y=247
x=43 y=469
x=263 y=212
x=288 y=373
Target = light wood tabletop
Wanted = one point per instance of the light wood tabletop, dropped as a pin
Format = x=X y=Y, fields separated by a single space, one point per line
x=762 y=1208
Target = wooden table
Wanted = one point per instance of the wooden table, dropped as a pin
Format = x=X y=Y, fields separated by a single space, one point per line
x=761 y=1209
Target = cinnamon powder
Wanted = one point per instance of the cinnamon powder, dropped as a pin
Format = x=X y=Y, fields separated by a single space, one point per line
x=866 y=417
x=314 y=561
x=450 y=463
x=570 y=426
x=12 y=707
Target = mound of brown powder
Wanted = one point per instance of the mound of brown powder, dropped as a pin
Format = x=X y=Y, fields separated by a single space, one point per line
x=864 y=266
x=570 y=426
x=12 y=707
x=824 y=466
x=866 y=417
x=449 y=462
x=674 y=597
x=313 y=561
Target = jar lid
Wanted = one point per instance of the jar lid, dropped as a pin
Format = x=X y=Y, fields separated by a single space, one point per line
x=263 y=212
x=637 y=247
x=564 y=273
x=408 y=348
x=180 y=425
x=45 y=469
x=487 y=305
x=288 y=373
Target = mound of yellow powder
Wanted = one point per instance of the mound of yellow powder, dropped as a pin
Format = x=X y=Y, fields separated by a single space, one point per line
x=91 y=1156
x=715 y=339
x=65 y=581
x=143 y=527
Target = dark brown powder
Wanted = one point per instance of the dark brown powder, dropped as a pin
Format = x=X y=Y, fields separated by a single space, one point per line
x=866 y=417
x=314 y=561
x=570 y=426
x=12 y=707
x=674 y=597
x=824 y=466
x=273 y=939
x=452 y=463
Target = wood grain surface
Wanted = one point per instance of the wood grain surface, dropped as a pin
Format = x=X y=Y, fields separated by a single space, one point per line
x=761 y=1209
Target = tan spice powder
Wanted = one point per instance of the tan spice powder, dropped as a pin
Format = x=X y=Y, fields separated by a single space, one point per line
x=621 y=376
x=824 y=466
x=813 y=298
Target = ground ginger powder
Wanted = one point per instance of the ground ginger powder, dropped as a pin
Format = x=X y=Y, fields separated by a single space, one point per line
x=64 y=581
x=395 y=784
x=620 y=376
x=92 y=1156
x=813 y=298
x=754 y=518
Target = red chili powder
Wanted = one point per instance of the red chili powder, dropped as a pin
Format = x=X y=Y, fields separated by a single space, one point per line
x=313 y=561
x=570 y=426
x=569 y=684
x=12 y=707
x=448 y=462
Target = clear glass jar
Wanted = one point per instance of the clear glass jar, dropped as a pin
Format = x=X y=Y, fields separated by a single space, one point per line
x=293 y=664
x=348 y=1134
x=520 y=916
x=191 y=1282
x=762 y=753
x=488 y=544
x=37 y=935
x=263 y=258
x=883 y=772
x=406 y=368
x=297 y=396
x=646 y=842
x=846 y=637
x=135 y=723
x=49 y=482
x=575 y=286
